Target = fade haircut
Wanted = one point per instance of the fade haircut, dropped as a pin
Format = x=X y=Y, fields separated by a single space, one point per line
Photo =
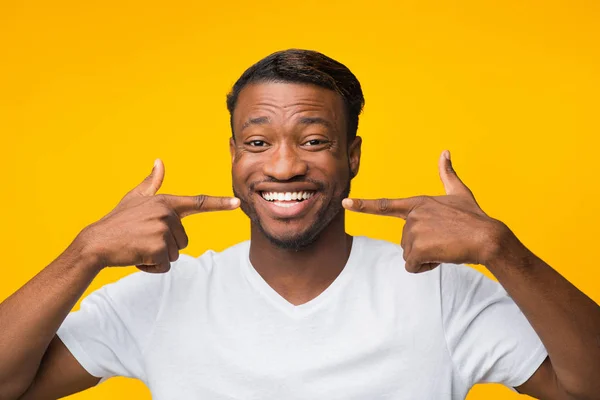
x=308 y=67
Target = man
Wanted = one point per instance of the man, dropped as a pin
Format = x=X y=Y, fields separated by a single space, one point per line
x=302 y=310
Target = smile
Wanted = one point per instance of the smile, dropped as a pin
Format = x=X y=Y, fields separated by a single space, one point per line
x=288 y=205
x=287 y=199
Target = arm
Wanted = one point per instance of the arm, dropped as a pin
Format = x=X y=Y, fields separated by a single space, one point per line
x=59 y=375
x=32 y=315
x=454 y=229
x=144 y=229
x=565 y=319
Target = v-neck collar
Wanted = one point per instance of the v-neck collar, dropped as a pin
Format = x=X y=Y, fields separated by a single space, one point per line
x=258 y=282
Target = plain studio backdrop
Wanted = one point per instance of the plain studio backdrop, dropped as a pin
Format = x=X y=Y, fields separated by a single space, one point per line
x=90 y=95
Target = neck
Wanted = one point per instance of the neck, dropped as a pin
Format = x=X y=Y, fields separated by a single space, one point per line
x=300 y=276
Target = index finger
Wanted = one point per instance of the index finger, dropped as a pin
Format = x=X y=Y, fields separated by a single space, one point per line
x=393 y=207
x=188 y=205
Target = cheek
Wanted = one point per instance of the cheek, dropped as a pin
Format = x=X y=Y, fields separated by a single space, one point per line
x=341 y=171
x=240 y=167
x=245 y=171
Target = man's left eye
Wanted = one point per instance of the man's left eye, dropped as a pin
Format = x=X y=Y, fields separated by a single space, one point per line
x=314 y=142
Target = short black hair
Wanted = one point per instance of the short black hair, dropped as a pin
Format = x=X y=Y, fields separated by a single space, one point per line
x=305 y=66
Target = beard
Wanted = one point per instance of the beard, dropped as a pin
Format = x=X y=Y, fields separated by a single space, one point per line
x=298 y=240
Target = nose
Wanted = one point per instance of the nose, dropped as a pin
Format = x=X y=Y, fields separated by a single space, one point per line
x=285 y=163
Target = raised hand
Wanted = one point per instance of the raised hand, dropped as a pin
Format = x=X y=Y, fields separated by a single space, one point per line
x=145 y=229
x=439 y=229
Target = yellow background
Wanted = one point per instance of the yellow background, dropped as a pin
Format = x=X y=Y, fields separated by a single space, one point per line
x=90 y=95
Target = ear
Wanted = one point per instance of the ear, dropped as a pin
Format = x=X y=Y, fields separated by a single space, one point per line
x=354 y=155
x=232 y=148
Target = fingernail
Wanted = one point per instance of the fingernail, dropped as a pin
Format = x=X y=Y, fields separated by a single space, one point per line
x=156 y=163
x=348 y=202
x=235 y=202
x=447 y=155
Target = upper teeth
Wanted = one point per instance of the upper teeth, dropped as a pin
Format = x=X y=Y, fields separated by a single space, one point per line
x=286 y=196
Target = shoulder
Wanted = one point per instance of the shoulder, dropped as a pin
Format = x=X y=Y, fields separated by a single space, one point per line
x=194 y=273
x=229 y=258
x=385 y=259
x=383 y=252
x=466 y=281
x=378 y=248
x=187 y=270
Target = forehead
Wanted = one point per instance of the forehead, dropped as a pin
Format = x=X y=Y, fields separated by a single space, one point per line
x=283 y=102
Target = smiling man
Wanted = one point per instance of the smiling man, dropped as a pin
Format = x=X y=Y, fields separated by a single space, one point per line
x=303 y=310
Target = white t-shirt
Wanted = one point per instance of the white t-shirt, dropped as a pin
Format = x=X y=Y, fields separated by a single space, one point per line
x=212 y=328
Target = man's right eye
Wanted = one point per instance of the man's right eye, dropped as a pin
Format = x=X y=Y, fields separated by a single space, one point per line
x=257 y=143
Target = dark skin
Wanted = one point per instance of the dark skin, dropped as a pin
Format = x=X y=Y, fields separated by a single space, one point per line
x=290 y=138
x=304 y=135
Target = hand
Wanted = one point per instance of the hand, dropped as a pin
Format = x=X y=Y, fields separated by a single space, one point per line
x=145 y=229
x=439 y=229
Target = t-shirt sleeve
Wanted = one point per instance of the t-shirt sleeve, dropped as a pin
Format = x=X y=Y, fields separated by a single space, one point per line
x=488 y=337
x=109 y=332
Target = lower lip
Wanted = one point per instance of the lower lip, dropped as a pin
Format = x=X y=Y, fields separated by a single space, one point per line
x=291 y=209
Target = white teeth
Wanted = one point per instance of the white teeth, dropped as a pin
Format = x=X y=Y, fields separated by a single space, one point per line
x=286 y=196
x=285 y=205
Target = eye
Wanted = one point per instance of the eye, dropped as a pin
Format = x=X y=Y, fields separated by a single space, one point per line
x=315 y=142
x=318 y=143
x=256 y=143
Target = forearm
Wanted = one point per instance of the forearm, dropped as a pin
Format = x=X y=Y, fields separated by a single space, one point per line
x=565 y=319
x=32 y=315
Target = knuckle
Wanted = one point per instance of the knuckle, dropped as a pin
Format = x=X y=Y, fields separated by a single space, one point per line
x=360 y=205
x=157 y=209
x=174 y=256
x=168 y=215
x=155 y=268
x=158 y=248
x=165 y=267
x=423 y=198
x=417 y=247
x=159 y=198
x=405 y=255
x=200 y=201
x=383 y=205
x=152 y=257
x=162 y=229
x=165 y=212
x=185 y=240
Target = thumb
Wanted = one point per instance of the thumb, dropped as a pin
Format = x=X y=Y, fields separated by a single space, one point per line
x=153 y=182
x=452 y=183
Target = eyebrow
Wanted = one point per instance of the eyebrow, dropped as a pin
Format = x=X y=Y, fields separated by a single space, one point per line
x=256 y=121
x=303 y=121
x=315 y=120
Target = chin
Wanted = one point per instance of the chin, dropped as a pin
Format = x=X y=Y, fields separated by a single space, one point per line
x=296 y=243
x=292 y=239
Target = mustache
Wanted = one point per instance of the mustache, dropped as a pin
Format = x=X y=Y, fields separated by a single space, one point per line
x=318 y=184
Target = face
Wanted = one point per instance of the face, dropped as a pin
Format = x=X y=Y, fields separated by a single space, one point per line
x=291 y=163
